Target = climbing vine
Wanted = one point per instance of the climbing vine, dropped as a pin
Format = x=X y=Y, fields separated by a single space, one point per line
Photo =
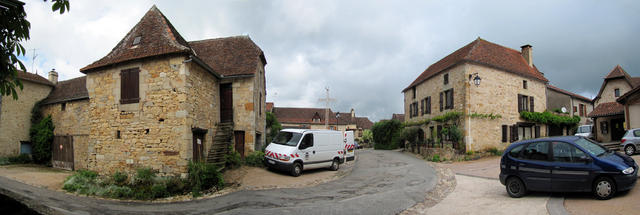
x=550 y=118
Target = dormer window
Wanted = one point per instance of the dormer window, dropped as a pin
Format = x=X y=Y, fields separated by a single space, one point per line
x=617 y=92
x=136 y=40
x=524 y=84
x=446 y=79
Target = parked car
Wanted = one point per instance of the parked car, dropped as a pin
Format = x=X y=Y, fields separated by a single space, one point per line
x=295 y=150
x=565 y=164
x=631 y=141
x=585 y=131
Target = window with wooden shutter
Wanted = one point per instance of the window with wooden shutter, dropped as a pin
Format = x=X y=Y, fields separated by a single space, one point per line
x=129 y=86
x=422 y=107
x=441 y=98
x=519 y=103
x=428 y=105
x=450 y=99
x=537 y=132
x=531 y=103
x=410 y=110
x=513 y=133
x=575 y=109
x=504 y=133
x=582 y=110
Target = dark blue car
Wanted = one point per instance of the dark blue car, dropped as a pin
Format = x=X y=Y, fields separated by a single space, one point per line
x=565 y=164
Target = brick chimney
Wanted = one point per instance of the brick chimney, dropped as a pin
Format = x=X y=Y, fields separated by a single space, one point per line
x=53 y=76
x=353 y=113
x=526 y=53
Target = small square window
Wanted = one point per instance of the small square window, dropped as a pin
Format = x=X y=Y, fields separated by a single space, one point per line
x=63 y=106
x=617 y=92
x=524 y=84
x=136 y=40
x=446 y=78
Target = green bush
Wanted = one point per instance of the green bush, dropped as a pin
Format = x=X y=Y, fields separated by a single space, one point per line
x=494 y=151
x=144 y=176
x=82 y=182
x=204 y=176
x=386 y=134
x=435 y=158
x=41 y=135
x=159 y=191
x=118 y=192
x=20 y=159
x=273 y=126
x=233 y=159
x=175 y=185
x=119 y=178
x=255 y=159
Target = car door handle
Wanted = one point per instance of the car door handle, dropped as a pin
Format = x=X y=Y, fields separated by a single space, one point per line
x=521 y=164
x=314 y=152
x=556 y=167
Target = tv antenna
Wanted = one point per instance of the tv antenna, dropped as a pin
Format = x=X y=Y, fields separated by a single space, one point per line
x=33 y=60
x=327 y=101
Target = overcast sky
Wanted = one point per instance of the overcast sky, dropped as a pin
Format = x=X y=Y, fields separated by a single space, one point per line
x=366 y=52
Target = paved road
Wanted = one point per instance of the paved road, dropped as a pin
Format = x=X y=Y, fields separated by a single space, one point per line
x=382 y=182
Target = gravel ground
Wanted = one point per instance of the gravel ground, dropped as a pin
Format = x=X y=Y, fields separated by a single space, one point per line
x=36 y=175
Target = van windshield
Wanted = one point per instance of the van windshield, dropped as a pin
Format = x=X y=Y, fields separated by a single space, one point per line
x=287 y=138
x=584 y=129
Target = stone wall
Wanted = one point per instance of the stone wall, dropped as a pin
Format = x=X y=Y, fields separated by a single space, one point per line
x=558 y=100
x=634 y=115
x=583 y=119
x=15 y=116
x=153 y=132
x=203 y=105
x=260 y=105
x=608 y=94
x=73 y=121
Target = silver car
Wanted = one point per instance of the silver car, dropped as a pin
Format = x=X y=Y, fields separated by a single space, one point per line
x=631 y=141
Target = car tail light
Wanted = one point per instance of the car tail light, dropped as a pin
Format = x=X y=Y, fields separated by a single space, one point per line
x=622 y=141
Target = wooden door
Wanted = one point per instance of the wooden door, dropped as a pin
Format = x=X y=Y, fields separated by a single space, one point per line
x=617 y=129
x=239 y=137
x=198 y=146
x=226 y=103
x=62 y=152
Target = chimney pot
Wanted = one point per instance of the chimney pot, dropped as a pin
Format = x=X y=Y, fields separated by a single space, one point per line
x=53 y=76
x=526 y=53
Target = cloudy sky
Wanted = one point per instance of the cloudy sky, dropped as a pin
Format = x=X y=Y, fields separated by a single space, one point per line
x=366 y=52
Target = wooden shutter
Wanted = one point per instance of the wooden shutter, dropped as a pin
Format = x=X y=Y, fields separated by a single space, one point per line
x=429 y=105
x=514 y=133
x=537 y=131
x=410 y=110
x=422 y=107
x=519 y=103
x=504 y=133
x=129 y=86
x=441 y=97
x=531 y=104
x=449 y=99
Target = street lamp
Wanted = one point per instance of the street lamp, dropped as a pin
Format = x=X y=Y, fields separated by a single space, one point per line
x=337 y=120
x=476 y=80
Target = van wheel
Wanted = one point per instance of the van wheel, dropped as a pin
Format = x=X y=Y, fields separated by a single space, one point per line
x=604 y=188
x=629 y=150
x=515 y=187
x=335 y=165
x=296 y=170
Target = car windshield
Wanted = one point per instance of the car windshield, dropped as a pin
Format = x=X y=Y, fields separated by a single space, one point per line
x=591 y=147
x=287 y=138
x=584 y=129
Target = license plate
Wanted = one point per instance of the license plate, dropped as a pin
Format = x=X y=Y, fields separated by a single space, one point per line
x=272 y=162
x=350 y=150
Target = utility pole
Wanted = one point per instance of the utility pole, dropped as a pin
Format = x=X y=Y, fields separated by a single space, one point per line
x=33 y=60
x=327 y=101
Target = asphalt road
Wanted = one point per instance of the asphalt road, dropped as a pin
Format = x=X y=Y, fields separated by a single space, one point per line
x=382 y=182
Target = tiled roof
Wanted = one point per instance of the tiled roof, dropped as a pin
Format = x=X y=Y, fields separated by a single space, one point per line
x=157 y=37
x=398 y=116
x=625 y=98
x=484 y=53
x=269 y=106
x=363 y=122
x=568 y=93
x=607 y=109
x=618 y=72
x=27 y=76
x=69 y=90
x=302 y=115
x=230 y=56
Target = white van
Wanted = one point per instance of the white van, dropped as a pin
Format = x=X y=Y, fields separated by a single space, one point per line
x=349 y=145
x=296 y=149
x=585 y=131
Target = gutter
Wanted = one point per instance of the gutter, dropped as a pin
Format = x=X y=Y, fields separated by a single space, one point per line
x=203 y=65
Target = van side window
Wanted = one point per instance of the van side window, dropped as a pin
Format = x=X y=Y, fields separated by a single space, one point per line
x=536 y=151
x=307 y=140
x=515 y=152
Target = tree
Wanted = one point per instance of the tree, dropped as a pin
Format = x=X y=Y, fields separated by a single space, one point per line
x=14 y=29
x=273 y=126
x=386 y=134
x=41 y=135
x=367 y=136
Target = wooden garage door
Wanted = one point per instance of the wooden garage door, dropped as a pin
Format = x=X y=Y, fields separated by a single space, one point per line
x=62 y=152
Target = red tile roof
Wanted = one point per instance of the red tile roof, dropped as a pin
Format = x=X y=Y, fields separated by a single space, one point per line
x=69 y=90
x=303 y=115
x=626 y=97
x=484 y=53
x=618 y=72
x=230 y=56
x=568 y=93
x=157 y=37
x=27 y=76
x=607 y=109
x=398 y=116
x=364 y=123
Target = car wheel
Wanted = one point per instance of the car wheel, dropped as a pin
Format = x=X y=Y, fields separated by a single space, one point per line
x=296 y=170
x=629 y=150
x=604 y=188
x=335 y=165
x=515 y=187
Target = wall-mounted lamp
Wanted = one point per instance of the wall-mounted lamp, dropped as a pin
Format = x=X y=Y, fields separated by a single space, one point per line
x=475 y=80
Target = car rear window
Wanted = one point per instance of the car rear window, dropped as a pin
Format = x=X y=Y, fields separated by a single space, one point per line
x=636 y=133
x=515 y=152
x=536 y=151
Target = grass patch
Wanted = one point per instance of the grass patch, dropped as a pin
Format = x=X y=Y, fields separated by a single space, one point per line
x=255 y=159
x=20 y=159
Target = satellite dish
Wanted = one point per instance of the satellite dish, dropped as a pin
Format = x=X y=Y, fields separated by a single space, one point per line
x=563 y=109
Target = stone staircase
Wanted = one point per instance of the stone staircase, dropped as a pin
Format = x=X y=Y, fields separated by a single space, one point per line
x=221 y=143
x=614 y=146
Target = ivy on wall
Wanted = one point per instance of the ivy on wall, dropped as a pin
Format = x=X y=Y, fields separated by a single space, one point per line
x=452 y=116
x=549 y=118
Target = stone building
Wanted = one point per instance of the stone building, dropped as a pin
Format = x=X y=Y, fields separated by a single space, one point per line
x=15 y=115
x=398 y=116
x=314 y=118
x=573 y=104
x=480 y=79
x=631 y=103
x=608 y=115
x=159 y=101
